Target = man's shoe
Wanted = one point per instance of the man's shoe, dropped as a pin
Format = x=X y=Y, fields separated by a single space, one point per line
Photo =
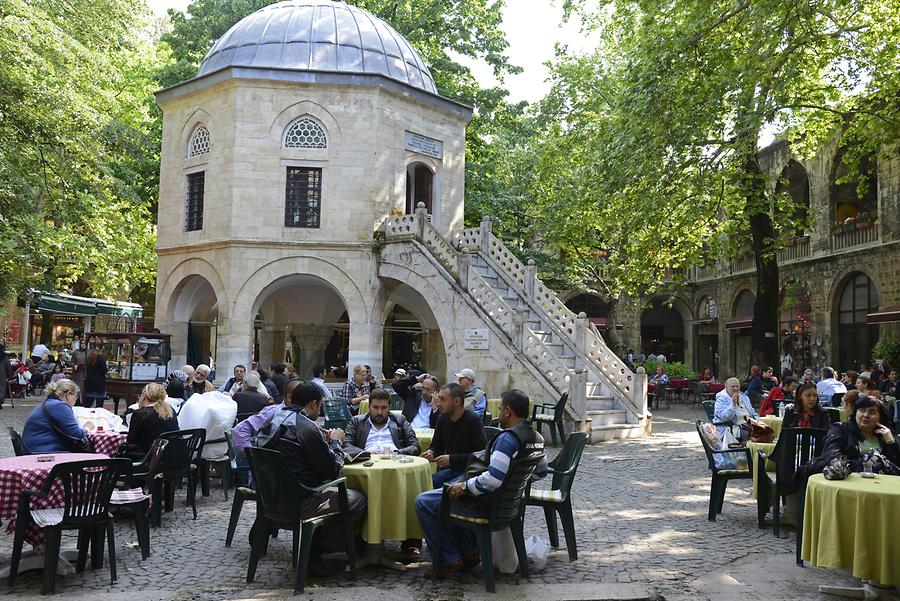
x=470 y=560
x=445 y=570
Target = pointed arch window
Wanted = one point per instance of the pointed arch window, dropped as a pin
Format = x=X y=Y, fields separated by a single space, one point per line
x=305 y=133
x=199 y=142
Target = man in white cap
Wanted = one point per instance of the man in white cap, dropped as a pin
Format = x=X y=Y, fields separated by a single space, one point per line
x=476 y=400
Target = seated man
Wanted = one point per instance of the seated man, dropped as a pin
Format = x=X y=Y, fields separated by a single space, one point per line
x=379 y=430
x=458 y=547
x=411 y=388
x=233 y=384
x=733 y=407
x=761 y=383
x=249 y=399
x=476 y=400
x=243 y=434
x=314 y=456
x=458 y=433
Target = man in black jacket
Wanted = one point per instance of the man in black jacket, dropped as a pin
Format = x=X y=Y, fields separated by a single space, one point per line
x=405 y=386
x=315 y=457
x=459 y=432
x=249 y=399
x=379 y=430
x=279 y=379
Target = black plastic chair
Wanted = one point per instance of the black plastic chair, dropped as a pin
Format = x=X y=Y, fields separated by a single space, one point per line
x=396 y=401
x=241 y=494
x=223 y=466
x=551 y=415
x=178 y=460
x=503 y=509
x=796 y=447
x=87 y=488
x=279 y=505
x=721 y=477
x=558 y=499
x=18 y=444
x=710 y=408
x=660 y=393
x=337 y=413
x=837 y=399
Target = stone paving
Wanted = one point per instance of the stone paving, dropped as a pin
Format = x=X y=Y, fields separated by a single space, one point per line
x=640 y=516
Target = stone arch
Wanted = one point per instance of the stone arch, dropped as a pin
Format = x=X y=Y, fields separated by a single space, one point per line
x=177 y=278
x=735 y=296
x=667 y=336
x=198 y=117
x=794 y=180
x=246 y=298
x=294 y=111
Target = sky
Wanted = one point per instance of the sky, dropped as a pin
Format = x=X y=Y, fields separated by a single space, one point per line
x=532 y=27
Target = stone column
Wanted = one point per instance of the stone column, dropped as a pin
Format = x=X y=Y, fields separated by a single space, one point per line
x=267 y=345
x=234 y=346
x=366 y=341
x=312 y=340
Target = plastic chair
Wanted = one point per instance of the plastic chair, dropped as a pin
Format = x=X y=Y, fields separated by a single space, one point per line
x=540 y=416
x=241 y=493
x=337 y=413
x=396 y=401
x=490 y=432
x=87 y=487
x=837 y=399
x=503 y=509
x=223 y=466
x=558 y=499
x=18 y=444
x=795 y=448
x=660 y=393
x=710 y=408
x=176 y=461
x=720 y=477
x=279 y=505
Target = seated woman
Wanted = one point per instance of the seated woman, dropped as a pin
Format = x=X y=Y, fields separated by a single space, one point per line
x=51 y=427
x=707 y=376
x=154 y=417
x=806 y=412
x=848 y=401
x=865 y=430
x=866 y=387
x=660 y=377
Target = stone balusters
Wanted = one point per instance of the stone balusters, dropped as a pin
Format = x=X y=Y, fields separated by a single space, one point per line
x=530 y=277
x=421 y=218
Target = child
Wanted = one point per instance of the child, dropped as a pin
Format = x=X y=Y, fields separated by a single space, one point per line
x=58 y=374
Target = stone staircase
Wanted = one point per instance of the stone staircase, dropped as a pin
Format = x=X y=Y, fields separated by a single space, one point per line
x=605 y=397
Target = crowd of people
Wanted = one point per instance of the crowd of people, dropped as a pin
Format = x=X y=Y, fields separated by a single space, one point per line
x=282 y=412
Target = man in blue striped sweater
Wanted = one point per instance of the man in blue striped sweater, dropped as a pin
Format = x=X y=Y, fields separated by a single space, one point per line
x=458 y=546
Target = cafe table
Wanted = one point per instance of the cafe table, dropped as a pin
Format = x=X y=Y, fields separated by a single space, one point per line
x=30 y=472
x=107 y=443
x=852 y=524
x=391 y=488
x=425 y=436
x=774 y=422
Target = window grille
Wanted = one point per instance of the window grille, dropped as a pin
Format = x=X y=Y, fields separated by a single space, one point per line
x=194 y=208
x=199 y=143
x=303 y=197
x=305 y=133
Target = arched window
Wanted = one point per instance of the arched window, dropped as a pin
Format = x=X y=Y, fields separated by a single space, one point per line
x=419 y=187
x=305 y=133
x=199 y=142
x=856 y=337
x=708 y=309
x=794 y=322
x=743 y=306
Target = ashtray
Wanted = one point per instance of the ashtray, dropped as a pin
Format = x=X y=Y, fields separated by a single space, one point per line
x=44 y=458
x=368 y=464
x=867 y=474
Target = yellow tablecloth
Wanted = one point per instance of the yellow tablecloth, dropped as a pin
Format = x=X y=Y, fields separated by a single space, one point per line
x=765 y=447
x=425 y=435
x=852 y=524
x=773 y=422
x=391 y=489
x=493 y=407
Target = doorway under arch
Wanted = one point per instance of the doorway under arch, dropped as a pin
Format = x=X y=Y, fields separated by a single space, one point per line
x=419 y=187
x=412 y=337
x=855 y=336
x=194 y=314
x=662 y=332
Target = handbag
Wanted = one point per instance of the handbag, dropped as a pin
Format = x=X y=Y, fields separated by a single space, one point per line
x=759 y=432
x=76 y=445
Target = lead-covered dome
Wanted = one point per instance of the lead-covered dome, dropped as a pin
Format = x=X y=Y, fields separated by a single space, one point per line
x=319 y=35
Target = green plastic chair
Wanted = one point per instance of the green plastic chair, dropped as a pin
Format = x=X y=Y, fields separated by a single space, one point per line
x=720 y=477
x=337 y=413
x=552 y=415
x=710 y=408
x=503 y=509
x=558 y=499
x=279 y=505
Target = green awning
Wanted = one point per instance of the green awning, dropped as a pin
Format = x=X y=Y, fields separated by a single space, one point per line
x=70 y=304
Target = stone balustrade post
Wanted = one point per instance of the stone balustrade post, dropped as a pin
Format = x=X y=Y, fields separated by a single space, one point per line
x=530 y=277
x=421 y=218
x=578 y=395
x=464 y=260
x=486 y=228
x=520 y=328
x=581 y=333
x=639 y=390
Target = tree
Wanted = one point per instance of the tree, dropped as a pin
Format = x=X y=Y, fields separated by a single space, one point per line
x=651 y=144
x=76 y=177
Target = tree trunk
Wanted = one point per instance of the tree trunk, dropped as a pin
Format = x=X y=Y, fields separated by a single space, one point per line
x=765 y=307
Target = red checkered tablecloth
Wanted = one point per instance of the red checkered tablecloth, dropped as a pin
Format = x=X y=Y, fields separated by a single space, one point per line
x=107 y=442
x=27 y=473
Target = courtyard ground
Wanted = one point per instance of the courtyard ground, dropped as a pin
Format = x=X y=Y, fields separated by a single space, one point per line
x=641 y=524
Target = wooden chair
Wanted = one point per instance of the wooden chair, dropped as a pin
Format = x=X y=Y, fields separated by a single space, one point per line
x=87 y=487
x=558 y=499
x=721 y=477
x=551 y=415
x=503 y=509
x=279 y=503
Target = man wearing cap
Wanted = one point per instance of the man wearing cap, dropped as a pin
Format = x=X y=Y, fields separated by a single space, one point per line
x=476 y=400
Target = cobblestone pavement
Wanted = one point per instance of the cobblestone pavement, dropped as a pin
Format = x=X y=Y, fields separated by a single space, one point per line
x=640 y=516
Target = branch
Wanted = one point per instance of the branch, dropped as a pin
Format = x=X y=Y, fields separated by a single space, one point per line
x=841 y=113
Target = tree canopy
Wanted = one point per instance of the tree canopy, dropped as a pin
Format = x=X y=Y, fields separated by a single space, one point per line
x=77 y=176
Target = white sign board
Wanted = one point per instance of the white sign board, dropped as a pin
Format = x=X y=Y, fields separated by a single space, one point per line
x=424 y=145
x=477 y=340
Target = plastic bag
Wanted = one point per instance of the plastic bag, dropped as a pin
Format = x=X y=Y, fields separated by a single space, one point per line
x=537 y=550
x=215 y=413
x=503 y=550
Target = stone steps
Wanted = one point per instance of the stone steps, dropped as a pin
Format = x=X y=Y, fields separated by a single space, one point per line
x=608 y=417
x=615 y=432
x=601 y=404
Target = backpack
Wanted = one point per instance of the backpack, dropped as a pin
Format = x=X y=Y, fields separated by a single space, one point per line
x=275 y=427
